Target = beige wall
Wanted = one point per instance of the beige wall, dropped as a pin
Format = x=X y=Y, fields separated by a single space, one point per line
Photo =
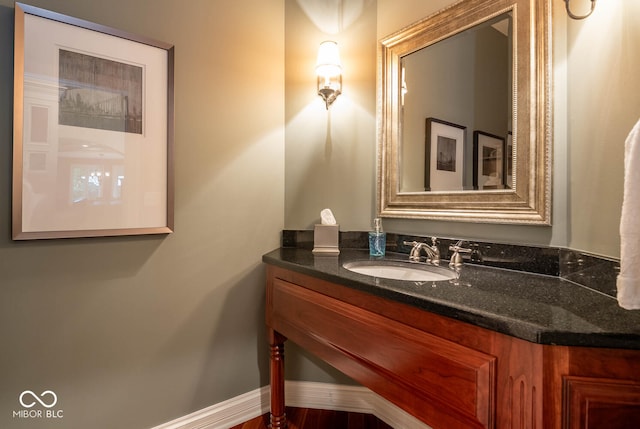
x=133 y=332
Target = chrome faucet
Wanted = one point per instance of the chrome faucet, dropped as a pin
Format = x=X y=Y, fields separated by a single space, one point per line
x=432 y=252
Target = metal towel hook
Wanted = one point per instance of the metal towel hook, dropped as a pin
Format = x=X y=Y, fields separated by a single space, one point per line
x=572 y=15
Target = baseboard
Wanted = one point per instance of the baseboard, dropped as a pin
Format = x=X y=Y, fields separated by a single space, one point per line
x=356 y=399
x=225 y=414
x=393 y=415
x=301 y=394
x=326 y=396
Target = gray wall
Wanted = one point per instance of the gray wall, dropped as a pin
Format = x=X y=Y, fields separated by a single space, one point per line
x=603 y=104
x=596 y=101
x=330 y=155
x=133 y=332
x=471 y=72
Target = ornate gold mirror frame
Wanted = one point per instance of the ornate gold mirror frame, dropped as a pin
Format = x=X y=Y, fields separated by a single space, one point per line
x=529 y=200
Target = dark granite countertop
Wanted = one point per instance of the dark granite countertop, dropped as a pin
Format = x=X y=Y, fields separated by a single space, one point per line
x=538 y=308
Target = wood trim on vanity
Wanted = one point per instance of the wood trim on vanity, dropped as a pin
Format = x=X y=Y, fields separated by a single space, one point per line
x=588 y=402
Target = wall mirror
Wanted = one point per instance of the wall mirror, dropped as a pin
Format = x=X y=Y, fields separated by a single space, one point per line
x=464 y=120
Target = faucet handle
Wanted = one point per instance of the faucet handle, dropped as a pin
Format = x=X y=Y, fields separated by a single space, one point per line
x=414 y=255
x=435 y=249
x=456 y=258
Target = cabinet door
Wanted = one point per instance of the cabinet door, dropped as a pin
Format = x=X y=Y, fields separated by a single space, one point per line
x=440 y=382
x=595 y=403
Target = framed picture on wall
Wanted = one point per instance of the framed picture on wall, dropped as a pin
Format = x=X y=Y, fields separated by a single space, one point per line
x=488 y=161
x=444 y=155
x=93 y=129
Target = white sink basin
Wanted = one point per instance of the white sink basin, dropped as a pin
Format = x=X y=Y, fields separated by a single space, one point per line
x=398 y=270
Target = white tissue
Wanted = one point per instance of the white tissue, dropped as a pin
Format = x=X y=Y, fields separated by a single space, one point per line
x=326 y=217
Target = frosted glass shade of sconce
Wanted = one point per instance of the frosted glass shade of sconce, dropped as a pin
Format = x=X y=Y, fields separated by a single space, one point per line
x=329 y=72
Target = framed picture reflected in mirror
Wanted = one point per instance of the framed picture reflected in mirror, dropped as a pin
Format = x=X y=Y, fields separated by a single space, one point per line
x=488 y=161
x=444 y=155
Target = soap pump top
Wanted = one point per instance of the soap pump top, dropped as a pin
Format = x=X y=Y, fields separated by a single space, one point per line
x=377 y=225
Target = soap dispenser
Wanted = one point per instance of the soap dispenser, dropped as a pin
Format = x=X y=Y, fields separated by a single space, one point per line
x=377 y=239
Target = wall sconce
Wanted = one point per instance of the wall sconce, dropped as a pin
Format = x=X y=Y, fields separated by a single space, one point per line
x=572 y=15
x=329 y=72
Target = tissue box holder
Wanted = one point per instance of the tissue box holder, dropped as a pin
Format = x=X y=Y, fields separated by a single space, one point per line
x=325 y=240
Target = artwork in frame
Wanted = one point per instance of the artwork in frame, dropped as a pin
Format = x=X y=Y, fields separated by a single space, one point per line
x=444 y=155
x=93 y=129
x=488 y=161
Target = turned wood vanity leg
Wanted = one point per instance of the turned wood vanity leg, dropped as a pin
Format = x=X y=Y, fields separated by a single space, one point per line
x=276 y=360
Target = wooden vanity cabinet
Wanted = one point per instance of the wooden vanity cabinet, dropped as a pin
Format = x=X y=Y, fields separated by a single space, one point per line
x=590 y=388
x=447 y=373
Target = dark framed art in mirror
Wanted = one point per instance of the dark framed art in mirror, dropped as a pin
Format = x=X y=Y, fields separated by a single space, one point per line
x=444 y=155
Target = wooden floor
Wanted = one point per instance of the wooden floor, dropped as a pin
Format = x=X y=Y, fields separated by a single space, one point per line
x=305 y=418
